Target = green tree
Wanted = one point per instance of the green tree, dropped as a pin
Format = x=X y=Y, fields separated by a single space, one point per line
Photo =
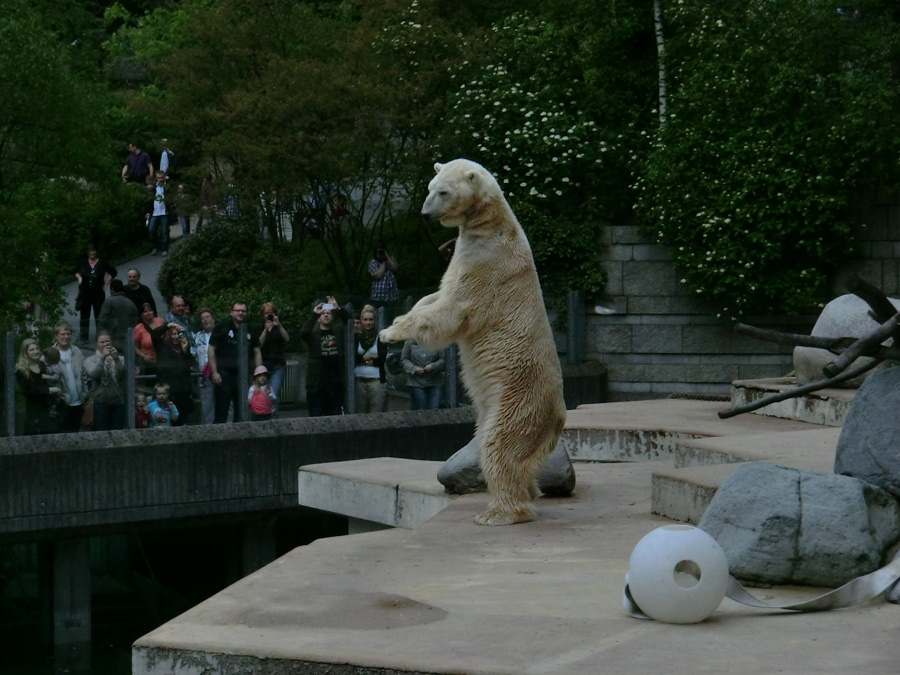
x=544 y=112
x=58 y=187
x=312 y=102
x=779 y=115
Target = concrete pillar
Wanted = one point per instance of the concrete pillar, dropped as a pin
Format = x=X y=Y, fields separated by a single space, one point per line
x=259 y=546
x=71 y=589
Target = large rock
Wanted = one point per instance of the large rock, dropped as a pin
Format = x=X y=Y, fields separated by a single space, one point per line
x=785 y=526
x=461 y=473
x=845 y=316
x=869 y=445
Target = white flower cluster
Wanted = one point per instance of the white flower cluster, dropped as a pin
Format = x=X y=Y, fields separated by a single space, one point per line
x=532 y=130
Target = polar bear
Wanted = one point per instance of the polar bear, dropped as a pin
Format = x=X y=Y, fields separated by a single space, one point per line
x=490 y=304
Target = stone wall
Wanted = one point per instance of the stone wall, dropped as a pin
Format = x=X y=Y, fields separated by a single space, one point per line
x=662 y=340
x=113 y=481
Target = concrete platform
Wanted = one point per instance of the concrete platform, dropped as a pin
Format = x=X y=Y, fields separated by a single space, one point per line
x=634 y=431
x=826 y=406
x=541 y=597
x=386 y=492
x=683 y=490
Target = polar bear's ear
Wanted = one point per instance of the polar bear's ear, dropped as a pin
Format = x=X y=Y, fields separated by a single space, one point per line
x=473 y=177
x=437 y=167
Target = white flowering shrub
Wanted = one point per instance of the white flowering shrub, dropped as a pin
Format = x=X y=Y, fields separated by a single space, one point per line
x=528 y=125
x=778 y=115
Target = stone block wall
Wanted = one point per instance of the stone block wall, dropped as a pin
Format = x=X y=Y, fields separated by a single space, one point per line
x=877 y=254
x=662 y=340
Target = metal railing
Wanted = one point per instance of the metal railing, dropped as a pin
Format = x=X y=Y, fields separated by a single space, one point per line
x=575 y=349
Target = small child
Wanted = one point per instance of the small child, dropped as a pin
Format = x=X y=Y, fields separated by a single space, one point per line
x=142 y=417
x=162 y=410
x=54 y=378
x=261 y=396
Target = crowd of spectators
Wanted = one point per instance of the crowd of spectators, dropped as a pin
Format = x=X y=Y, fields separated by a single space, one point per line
x=182 y=366
x=179 y=360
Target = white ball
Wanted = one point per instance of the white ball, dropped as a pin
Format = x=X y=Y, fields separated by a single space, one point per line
x=678 y=574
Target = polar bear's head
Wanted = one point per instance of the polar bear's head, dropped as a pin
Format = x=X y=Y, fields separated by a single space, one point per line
x=460 y=188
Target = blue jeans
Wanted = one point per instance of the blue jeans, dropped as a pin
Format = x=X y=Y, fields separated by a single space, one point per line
x=108 y=416
x=424 y=398
x=159 y=232
x=185 y=224
x=276 y=378
x=210 y=217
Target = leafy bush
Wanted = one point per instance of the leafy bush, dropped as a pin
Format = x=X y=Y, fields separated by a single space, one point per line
x=778 y=113
x=46 y=226
x=527 y=114
x=229 y=261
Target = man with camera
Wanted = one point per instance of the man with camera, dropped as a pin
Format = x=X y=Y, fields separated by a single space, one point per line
x=223 y=353
x=383 y=269
x=178 y=313
x=325 y=365
x=105 y=375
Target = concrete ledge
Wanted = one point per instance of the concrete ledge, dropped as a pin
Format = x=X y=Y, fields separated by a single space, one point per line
x=812 y=450
x=684 y=494
x=117 y=480
x=631 y=431
x=827 y=407
x=385 y=490
x=684 y=491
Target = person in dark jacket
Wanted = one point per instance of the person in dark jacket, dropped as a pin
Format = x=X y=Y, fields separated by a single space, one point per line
x=31 y=376
x=93 y=275
x=173 y=367
x=324 y=370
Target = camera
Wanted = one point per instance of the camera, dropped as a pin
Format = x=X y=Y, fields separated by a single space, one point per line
x=270 y=317
x=327 y=305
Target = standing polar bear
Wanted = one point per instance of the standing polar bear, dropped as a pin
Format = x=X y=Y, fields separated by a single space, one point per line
x=490 y=304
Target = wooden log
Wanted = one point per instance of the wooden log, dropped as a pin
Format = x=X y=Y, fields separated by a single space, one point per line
x=863 y=346
x=834 y=345
x=882 y=308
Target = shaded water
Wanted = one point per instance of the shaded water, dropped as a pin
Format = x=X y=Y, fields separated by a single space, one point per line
x=139 y=581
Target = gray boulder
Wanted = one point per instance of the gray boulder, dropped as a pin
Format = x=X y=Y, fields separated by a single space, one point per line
x=786 y=526
x=869 y=445
x=845 y=316
x=461 y=473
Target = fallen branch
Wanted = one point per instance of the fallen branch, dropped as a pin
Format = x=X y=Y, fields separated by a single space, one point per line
x=882 y=308
x=834 y=345
x=863 y=346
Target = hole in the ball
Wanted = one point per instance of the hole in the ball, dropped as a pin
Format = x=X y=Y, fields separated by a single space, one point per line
x=687 y=574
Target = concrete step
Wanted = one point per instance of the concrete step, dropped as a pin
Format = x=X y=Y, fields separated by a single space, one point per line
x=635 y=431
x=683 y=489
x=826 y=407
x=375 y=493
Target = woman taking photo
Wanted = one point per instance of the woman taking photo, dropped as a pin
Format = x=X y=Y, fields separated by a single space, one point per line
x=105 y=370
x=173 y=367
x=31 y=375
x=273 y=342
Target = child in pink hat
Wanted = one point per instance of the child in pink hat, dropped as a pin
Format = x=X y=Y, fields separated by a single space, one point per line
x=261 y=397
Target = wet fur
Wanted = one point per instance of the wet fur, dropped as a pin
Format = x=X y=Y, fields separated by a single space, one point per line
x=490 y=304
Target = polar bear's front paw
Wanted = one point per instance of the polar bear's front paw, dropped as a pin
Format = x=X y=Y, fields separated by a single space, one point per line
x=494 y=516
x=389 y=335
